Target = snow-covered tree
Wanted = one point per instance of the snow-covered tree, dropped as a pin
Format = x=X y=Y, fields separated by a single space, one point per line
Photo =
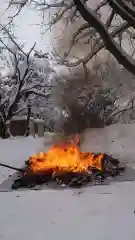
x=107 y=24
x=25 y=79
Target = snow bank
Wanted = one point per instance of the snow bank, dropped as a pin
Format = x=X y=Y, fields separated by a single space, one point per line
x=15 y=151
x=117 y=139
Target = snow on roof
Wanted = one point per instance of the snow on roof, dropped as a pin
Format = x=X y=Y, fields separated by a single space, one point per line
x=19 y=118
x=39 y=121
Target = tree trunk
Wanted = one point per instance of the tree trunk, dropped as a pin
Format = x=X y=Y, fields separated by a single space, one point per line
x=28 y=122
x=3 y=130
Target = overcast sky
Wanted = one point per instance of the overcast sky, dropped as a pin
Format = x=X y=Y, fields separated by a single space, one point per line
x=28 y=26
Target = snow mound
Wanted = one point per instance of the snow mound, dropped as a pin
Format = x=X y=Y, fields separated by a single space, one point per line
x=117 y=140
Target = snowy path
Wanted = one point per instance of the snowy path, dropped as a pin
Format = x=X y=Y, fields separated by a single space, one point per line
x=101 y=212
x=105 y=213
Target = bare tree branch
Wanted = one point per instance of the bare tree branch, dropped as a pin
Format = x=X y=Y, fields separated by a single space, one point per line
x=97 y=47
x=122 y=111
x=109 y=20
x=50 y=5
x=111 y=45
x=12 y=40
x=128 y=7
x=127 y=16
x=79 y=34
x=63 y=9
x=59 y=16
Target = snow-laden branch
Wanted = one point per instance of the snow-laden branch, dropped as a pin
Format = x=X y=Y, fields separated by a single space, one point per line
x=97 y=47
x=46 y=5
x=66 y=10
x=122 y=11
x=37 y=92
x=30 y=87
x=111 y=45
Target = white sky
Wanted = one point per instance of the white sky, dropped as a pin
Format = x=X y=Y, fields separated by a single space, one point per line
x=28 y=26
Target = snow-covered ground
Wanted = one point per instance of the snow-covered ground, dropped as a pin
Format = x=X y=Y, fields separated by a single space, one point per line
x=100 y=212
x=117 y=139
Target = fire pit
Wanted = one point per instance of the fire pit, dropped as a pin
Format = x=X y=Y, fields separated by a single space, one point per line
x=67 y=166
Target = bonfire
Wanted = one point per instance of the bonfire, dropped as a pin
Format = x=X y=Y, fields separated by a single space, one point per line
x=66 y=164
x=65 y=158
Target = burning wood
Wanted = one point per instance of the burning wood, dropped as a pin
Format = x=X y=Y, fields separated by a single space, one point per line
x=66 y=164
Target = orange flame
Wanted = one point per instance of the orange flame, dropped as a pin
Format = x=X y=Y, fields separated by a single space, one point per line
x=65 y=158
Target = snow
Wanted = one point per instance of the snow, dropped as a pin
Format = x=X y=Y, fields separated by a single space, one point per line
x=66 y=215
x=19 y=118
x=39 y=121
x=100 y=212
x=117 y=139
x=18 y=150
